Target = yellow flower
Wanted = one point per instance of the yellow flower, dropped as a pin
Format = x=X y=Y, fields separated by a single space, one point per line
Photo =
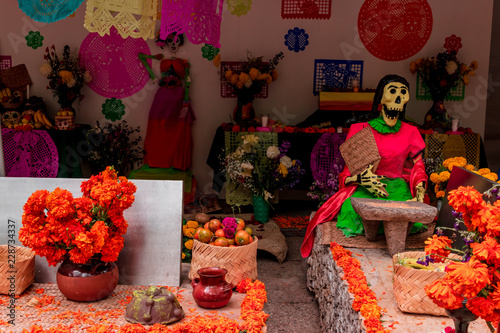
x=469 y=167
x=265 y=77
x=216 y=60
x=413 y=67
x=189 y=244
x=192 y=224
x=183 y=256
x=466 y=79
x=66 y=76
x=233 y=79
x=491 y=176
x=251 y=139
x=253 y=73
x=228 y=74
x=440 y=194
x=189 y=232
x=444 y=176
x=244 y=77
x=435 y=178
x=474 y=65
x=282 y=170
x=483 y=171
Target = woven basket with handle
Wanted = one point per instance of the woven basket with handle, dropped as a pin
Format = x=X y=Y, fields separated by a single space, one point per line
x=409 y=285
x=18 y=268
x=240 y=261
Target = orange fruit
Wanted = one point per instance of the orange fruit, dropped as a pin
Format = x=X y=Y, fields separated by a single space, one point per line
x=197 y=232
x=206 y=226
x=214 y=225
x=220 y=233
x=205 y=235
x=231 y=241
x=221 y=241
x=248 y=230
x=242 y=237
x=241 y=224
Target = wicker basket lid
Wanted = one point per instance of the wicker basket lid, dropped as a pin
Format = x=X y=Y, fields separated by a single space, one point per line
x=360 y=150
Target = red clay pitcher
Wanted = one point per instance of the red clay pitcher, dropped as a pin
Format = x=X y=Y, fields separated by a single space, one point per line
x=211 y=290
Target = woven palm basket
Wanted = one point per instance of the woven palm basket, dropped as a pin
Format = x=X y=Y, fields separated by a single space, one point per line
x=16 y=269
x=360 y=150
x=409 y=285
x=240 y=261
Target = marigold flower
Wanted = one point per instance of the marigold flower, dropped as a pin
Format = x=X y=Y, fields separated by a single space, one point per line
x=470 y=167
x=466 y=200
x=437 y=247
x=254 y=73
x=483 y=171
x=434 y=177
x=441 y=293
x=192 y=224
x=439 y=194
x=66 y=76
x=468 y=277
x=474 y=65
x=189 y=232
x=189 y=244
x=216 y=60
x=491 y=176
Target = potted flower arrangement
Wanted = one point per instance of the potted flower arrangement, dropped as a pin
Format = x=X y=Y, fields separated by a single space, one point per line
x=114 y=144
x=440 y=74
x=323 y=190
x=262 y=171
x=66 y=77
x=247 y=80
x=472 y=282
x=83 y=233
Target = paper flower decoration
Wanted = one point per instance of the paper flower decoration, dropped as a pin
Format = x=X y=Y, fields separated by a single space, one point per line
x=239 y=7
x=296 y=39
x=209 y=52
x=452 y=43
x=113 y=109
x=34 y=39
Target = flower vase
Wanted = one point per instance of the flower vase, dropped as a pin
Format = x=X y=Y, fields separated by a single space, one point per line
x=88 y=282
x=461 y=318
x=437 y=116
x=260 y=209
x=243 y=111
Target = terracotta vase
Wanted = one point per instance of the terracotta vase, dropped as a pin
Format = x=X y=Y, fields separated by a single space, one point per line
x=461 y=318
x=87 y=283
x=211 y=290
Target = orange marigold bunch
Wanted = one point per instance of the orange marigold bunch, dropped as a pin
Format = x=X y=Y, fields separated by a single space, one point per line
x=475 y=278
x=58 y=226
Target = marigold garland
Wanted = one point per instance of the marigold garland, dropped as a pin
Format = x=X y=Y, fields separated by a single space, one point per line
x=365 y=300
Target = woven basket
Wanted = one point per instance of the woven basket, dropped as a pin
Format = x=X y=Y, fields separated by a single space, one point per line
x=360 y=150
x=240 y=261
x=23 y=270
x=409 y=285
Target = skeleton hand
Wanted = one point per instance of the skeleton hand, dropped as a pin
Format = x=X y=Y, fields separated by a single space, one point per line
x=370 y=181
x=419 y=192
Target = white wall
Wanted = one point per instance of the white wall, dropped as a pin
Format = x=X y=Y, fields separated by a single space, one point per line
x=262 y=32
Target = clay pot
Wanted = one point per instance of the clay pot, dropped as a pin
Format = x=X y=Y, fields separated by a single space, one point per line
x=211 y=290
x=87 y=283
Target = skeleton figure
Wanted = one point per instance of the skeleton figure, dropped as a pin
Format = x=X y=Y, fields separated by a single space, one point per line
x=400 y=174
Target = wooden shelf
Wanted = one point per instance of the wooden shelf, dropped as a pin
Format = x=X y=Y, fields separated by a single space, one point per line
x=346 y=101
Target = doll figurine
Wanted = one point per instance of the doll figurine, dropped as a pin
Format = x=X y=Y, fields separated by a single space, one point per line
x=400 y=175
x=168 y=141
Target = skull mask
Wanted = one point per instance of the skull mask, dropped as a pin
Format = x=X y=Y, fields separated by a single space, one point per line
x=11 y=117
x=174 y=41
x=394 y=97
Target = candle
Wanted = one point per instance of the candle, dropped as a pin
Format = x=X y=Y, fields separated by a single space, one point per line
x=265 y=119
x=339 y=129
x=454 y=124
x=28 y=91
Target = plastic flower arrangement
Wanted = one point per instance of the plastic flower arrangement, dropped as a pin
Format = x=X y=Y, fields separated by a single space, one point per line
x=442 y=175
x=58 y=226
x=114 y=144
x=262 y=172
x=444 y=71
x=475 y=277
x=322 y=191
x=66 y=76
